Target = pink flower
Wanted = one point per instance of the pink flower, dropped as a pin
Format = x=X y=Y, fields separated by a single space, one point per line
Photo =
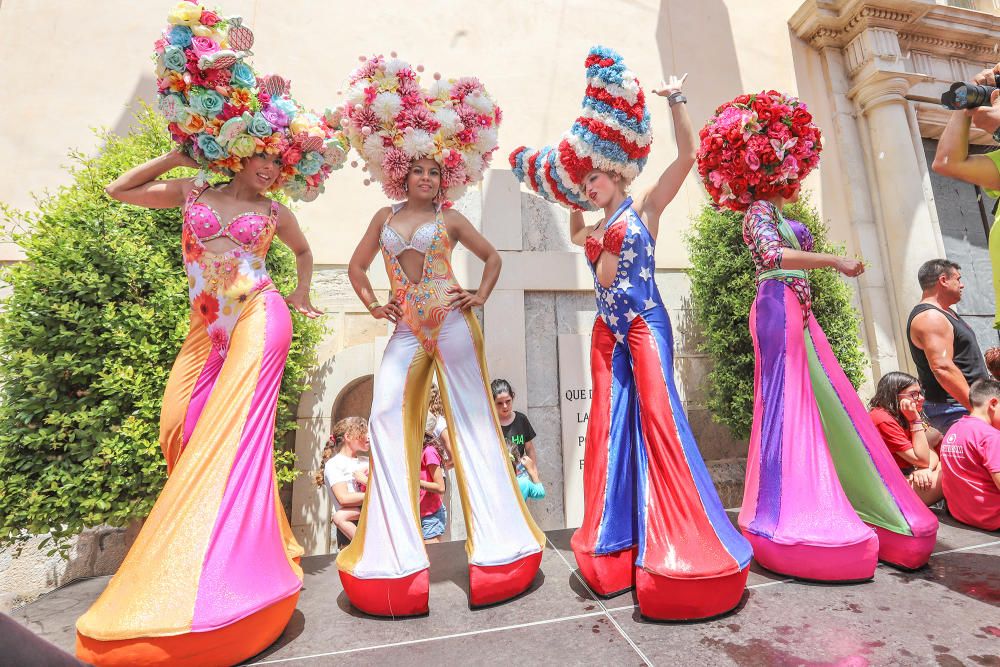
x=466 y=86
x=209 y=18
x=219 y=338
x=370 y=93
x=366 y=117
x=396 y=164
x=203 y=46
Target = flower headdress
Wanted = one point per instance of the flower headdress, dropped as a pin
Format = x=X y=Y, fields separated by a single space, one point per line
x=756 y=147
x=611 y=135
x=220 y=110
x=391 y=120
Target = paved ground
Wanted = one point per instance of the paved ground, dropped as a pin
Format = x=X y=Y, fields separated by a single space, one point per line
x=945 y=614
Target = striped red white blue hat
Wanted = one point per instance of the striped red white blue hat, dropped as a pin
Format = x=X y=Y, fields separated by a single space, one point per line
x=612 y=135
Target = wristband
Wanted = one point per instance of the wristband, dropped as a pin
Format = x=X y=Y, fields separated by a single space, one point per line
x=373 y=305
x=916 y=428
x=676 y=98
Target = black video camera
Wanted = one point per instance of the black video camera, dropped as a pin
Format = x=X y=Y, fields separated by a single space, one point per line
x=963 y=95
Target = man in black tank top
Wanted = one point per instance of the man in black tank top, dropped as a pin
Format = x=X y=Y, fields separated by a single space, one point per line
x=943 y=346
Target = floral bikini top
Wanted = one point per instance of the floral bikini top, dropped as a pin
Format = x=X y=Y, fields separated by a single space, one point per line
x=425 y=302
x=221 y=283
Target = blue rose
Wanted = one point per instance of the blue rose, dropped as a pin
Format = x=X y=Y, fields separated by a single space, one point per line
x=310 y=163
x=287 y=107
x=174 y=58
x=180 y=35
x=259 y=126
x=206 y=102
x=243 y=76
x=210 y=147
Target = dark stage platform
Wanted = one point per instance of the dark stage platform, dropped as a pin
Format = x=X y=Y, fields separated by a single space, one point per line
x=945 y=614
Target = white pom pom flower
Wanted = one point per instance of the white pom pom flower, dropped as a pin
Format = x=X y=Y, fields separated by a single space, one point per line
x=418 y=143
x=387 y=105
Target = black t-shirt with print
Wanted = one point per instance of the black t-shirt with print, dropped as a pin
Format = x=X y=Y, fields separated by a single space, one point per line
x=516 y=434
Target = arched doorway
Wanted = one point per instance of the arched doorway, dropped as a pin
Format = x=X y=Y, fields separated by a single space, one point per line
x=354 y=400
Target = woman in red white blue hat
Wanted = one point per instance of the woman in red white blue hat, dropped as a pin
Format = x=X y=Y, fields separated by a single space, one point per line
x=652 y=518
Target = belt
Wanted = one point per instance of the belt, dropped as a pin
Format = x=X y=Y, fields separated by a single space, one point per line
x=779 y=274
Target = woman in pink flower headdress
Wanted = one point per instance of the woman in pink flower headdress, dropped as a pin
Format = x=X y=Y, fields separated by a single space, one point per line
x=425 y=147
x=213 y=577
x=819 y=479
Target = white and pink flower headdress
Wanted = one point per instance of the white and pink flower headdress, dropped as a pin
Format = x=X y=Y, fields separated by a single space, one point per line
x=390 y=120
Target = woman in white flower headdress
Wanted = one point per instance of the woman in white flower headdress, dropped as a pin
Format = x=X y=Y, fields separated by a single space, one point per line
x=425 y=147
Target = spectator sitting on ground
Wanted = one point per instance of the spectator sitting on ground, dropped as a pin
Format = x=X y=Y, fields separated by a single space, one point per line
x=517 y=430
x=970 y=460
x=441 y=434
x=943 y=345
x=992 y=357
x=528 y=481
x=896 y=413
x=433 y=515
x=346 y=475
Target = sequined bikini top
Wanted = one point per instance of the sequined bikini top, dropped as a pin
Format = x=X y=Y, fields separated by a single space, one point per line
x=421 y=241
x=244 y=229
x=613 y=237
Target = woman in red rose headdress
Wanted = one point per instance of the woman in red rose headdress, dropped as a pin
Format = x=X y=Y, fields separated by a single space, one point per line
x=652 y=518
x=819 y=479
x=213 y=576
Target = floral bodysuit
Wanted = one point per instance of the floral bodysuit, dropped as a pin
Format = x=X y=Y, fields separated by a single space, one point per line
x=221 y=283
x=764 y=236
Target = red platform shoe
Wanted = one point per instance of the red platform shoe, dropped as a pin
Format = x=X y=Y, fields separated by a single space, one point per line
x=405 y=596
x=489 y=584
x=608 y=575
x=675 y=599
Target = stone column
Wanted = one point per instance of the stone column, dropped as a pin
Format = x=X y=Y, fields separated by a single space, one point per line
x=907 y=229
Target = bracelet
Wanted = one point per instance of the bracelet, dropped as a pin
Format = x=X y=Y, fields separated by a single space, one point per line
x=373 y=305
x=916 y=428
x=676 y=98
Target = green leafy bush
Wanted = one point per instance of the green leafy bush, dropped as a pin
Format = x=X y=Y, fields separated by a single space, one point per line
x=88 y=333
x=723 y=289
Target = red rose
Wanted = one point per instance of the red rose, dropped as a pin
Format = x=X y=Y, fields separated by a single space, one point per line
x=801 y=117
x=291 y=156
x=209 y=18
x=738 y=185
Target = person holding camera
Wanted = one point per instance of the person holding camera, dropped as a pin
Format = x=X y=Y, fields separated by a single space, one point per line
x=953 y=160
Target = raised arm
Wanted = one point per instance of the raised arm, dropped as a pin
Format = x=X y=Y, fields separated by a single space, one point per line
x=933 y=334
x=291 y=235
x=952 y=158
x=357 y=270
x=670 y=181
x=463 y=232
x=139 y=185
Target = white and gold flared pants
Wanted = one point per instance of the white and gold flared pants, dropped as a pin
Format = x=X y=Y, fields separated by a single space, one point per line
x=389 y=542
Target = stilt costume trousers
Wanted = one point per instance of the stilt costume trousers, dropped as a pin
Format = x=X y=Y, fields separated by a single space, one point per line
x=384 y=569
x=652 y=517
x=212 y=578
x=824 y=499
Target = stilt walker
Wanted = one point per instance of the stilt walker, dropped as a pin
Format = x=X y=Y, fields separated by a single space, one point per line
x=652 y=518
x=213 y=576
x=823 y=498
x=425 y=147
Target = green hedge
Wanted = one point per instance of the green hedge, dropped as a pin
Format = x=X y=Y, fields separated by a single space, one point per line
x=723 y=289
x=88 y=334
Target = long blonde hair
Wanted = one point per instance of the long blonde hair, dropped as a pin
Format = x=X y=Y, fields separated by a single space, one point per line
x=436 y=405
x=346 y=427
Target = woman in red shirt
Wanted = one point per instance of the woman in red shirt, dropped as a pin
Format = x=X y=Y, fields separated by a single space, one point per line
x=896 y=413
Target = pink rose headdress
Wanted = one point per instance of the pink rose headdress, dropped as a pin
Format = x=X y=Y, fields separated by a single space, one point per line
x=391 y=120
x=612 y=134
x=220 y=110
x=756 y=147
